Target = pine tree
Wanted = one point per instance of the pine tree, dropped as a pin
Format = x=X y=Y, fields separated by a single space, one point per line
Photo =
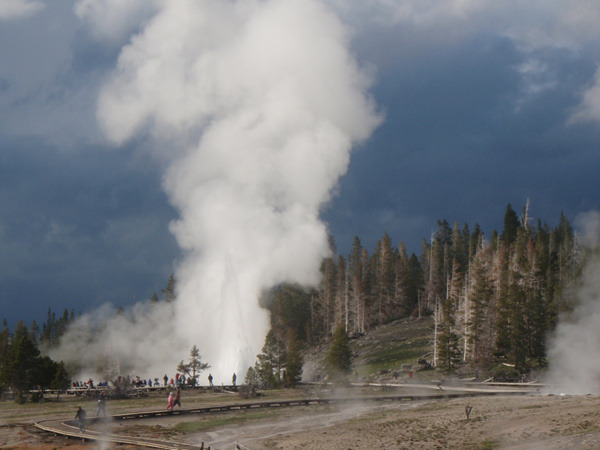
x=20 y=330
x=49 y=329
x=519 y=291
x=61 y=380
x=448 y=351
x=427 y=264
x=4 y=341
x=270 y=364
x=355 y=293
x=479 y=320
x=169 y=291
x=341 y=310
x=406 y=288
x=474 y=241
x=61 y=325
x=384 y=263
x=290 y=309
x=252 y=378
x=20 y=368
x=439 y=264
x=339 y=355
x=194 y=366
x=502 y=301
x=322 y=306
x=460 y=246
x=293 y=364
x=511 y=225
x=34 y=333
x=416 y=284
x=45 y=372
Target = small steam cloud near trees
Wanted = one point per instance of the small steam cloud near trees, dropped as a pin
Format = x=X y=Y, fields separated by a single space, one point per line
x=573 y=348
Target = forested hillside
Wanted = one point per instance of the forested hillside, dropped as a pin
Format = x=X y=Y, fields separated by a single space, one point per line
x=492 y=298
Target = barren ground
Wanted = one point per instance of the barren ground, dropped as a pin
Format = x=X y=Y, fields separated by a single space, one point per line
x=516 y=422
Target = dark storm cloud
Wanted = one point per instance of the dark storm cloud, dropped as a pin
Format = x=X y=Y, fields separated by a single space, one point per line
x=478 y=97
x=79 y=229
x=81 y=224
x=469 y=129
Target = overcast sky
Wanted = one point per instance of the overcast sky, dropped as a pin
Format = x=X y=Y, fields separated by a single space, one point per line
x=484 y=103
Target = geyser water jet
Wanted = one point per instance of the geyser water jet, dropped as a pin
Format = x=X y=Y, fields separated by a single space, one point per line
x=254 y=105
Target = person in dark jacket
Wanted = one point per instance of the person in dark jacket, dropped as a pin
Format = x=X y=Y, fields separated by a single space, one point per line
x=80 y=417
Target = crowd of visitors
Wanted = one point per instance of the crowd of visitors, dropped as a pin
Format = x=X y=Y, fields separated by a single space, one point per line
x=179 y=381
x=174 y=397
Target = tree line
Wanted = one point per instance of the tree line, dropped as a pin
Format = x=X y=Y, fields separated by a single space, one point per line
x=492 y=298
x=22 y=367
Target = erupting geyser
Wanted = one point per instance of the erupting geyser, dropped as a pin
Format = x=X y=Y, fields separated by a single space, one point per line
x=254 y=105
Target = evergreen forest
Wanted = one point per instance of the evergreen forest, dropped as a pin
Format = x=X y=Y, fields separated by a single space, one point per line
x=492 y=299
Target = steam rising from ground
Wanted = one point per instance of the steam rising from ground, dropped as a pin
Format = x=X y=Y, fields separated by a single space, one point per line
x=254 y=106
x=573 y=353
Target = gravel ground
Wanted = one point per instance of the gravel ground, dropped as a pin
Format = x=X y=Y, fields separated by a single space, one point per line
x=514 y=421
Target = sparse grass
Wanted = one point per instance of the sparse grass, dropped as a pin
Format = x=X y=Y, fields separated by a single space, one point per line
x=392 y=345
x=153 y=431
x=240 y=418
x=585 y=426
x=11 y=412
x=433 y=406
x=489 y=444
x=534 y=406
x=394 y=356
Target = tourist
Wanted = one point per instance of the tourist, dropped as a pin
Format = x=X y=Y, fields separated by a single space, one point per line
x=177 y=399
x=80 y=417
x=170 y=401
x=101 y=405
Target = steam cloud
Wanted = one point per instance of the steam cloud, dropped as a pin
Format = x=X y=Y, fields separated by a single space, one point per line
x=253 y=107
x=573 y=351
x=11 y=9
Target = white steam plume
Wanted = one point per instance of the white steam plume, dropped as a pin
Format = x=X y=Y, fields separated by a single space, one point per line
x=255 y=105
x=573 y=351
x=13 y=9
x=589 y=108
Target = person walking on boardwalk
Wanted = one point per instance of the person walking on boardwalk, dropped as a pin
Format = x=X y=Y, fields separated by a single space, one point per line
x=210 y=378
x=166 y=379
x=233 y=378
x=80 y=417
x=177 y=399
x=101 y=405
x=170 y=402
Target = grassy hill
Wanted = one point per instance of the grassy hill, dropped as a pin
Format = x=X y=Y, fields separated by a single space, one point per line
x=397 y=346
x=383 y=352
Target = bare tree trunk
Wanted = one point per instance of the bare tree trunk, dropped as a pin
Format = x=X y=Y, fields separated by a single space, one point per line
x=435 y=332
x=346 y=303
